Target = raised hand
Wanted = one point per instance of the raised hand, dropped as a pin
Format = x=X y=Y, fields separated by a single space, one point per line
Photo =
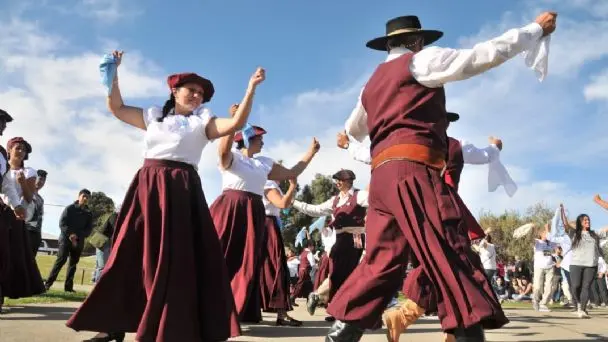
x=233 y=109
x=547 y=20
x=315 y=146
x=342 y=140
x=293 y=182
x=20 y=177
x=597 y=198
x=118 y=56
x=495 y=141
x=258 y=77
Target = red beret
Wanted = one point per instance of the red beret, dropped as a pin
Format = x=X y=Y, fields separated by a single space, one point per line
x=19 y=140
x=177 y=80
x=257 y=129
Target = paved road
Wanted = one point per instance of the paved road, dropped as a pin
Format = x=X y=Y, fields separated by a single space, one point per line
x=42 y=323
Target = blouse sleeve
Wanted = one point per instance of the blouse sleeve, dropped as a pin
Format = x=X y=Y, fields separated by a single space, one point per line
x=151 y=114
x=29 y=172
x=206 y=115
x=266 y=164
x=271 y=185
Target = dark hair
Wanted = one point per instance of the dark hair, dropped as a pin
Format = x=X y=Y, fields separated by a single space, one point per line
x=401 y=41
x=169 y=104
x=488 y=239
x=578 y=233
x=240 y=144
x=41 y=173
x=84 y=192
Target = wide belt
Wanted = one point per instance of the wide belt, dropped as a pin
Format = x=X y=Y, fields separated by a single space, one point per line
x=412 y=152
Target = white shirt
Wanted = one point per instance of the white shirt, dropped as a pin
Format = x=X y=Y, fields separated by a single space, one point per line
x=360 y=152
x=311 y=258
x=271 y=209
x=435 y=66
x=601 y=265
x=8 y=189
x=12 y=191
x=293 y=266
x=543 y=254
x=179 y=138
x=247 y=174
x=326 y=208
x=487 y=254
x=328 y=238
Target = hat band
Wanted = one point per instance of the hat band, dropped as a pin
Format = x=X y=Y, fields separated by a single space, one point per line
x=403 y=30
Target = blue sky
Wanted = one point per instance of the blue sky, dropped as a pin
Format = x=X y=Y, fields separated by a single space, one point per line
x=316 y=62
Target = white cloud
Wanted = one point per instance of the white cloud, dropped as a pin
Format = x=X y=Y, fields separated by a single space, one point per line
x=598 y=88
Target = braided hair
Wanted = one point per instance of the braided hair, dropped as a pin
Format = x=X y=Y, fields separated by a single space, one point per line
x=169 y=104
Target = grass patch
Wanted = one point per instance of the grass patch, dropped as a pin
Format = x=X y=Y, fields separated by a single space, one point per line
x=86 y=264
x=49 y=297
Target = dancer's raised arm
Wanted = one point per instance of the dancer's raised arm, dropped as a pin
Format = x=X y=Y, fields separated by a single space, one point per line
x=134 y=116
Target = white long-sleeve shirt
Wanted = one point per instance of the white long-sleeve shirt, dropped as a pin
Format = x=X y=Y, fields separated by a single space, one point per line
x=435 y=66
x=326 y=208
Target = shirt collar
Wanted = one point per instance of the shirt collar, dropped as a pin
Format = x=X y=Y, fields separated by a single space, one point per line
x=350 y=193
x=396 y=52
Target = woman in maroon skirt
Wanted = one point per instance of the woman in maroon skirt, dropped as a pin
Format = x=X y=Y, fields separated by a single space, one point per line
x=166 y=278
x=274 y=280
x=23 y=279
x=238 y=213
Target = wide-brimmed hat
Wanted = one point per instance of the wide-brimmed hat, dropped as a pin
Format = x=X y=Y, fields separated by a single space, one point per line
x=177 y=80
x=257 y=131
x=5 y=116
x=404 y=26
x=452 y=116
x=344 y=175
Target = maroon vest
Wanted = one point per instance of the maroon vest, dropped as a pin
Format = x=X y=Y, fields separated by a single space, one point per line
x=350 y=214
x=455 y=163
x=304 y=264
x=402 y=111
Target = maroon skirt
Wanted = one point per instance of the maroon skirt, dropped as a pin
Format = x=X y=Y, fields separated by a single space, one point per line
x=411 y=207
x=5 y=245
x=165 y=278
x=23 y=278
x=239 y=220
x=274 y=281
x=304 y=285
x=322 y=271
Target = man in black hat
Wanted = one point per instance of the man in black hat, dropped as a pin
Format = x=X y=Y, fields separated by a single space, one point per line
x=347 y=210
x=402 y=109
x=76 y=223
x=34 y=223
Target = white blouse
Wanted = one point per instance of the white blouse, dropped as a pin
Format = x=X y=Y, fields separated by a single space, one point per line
x=271 y=209
x=247 y=174
x=12 y=192
x=178 y=138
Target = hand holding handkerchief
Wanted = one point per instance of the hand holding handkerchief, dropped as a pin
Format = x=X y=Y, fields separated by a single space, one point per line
x=107 y=69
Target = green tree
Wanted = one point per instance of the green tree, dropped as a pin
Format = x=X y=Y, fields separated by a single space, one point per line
x=101 y=207
x=503 y=226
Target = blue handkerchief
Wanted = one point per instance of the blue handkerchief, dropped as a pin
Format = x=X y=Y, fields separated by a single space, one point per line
x=248 y=132
x=107 y=70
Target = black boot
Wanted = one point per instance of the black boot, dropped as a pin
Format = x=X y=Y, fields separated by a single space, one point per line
x=344 y=332
x=312 y=302
x=470 y=334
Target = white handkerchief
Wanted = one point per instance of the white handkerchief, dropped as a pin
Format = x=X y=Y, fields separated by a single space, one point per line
x=498 y=175
x=537 y=58
x=523 y=230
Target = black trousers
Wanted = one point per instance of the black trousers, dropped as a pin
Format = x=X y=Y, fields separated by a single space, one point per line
x=599 y=292
x=35 y=240
x=66 y=250
x=582 y=278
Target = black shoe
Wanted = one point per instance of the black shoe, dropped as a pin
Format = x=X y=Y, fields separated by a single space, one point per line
x=289 y=322
x=47 y=286
x=69 y=290
x=330 y=319
x=311 y=303
x=344 y=332
x=470 y=334
x=118 y=337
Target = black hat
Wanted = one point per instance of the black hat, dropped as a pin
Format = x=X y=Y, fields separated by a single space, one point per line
x=452 y=116
x=5 y=116
x=344 y=175
x=404 y=26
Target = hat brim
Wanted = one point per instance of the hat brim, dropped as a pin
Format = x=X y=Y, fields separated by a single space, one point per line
x=430 y=36
x=343 y=176
x=258 y=132
x=453 y=116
